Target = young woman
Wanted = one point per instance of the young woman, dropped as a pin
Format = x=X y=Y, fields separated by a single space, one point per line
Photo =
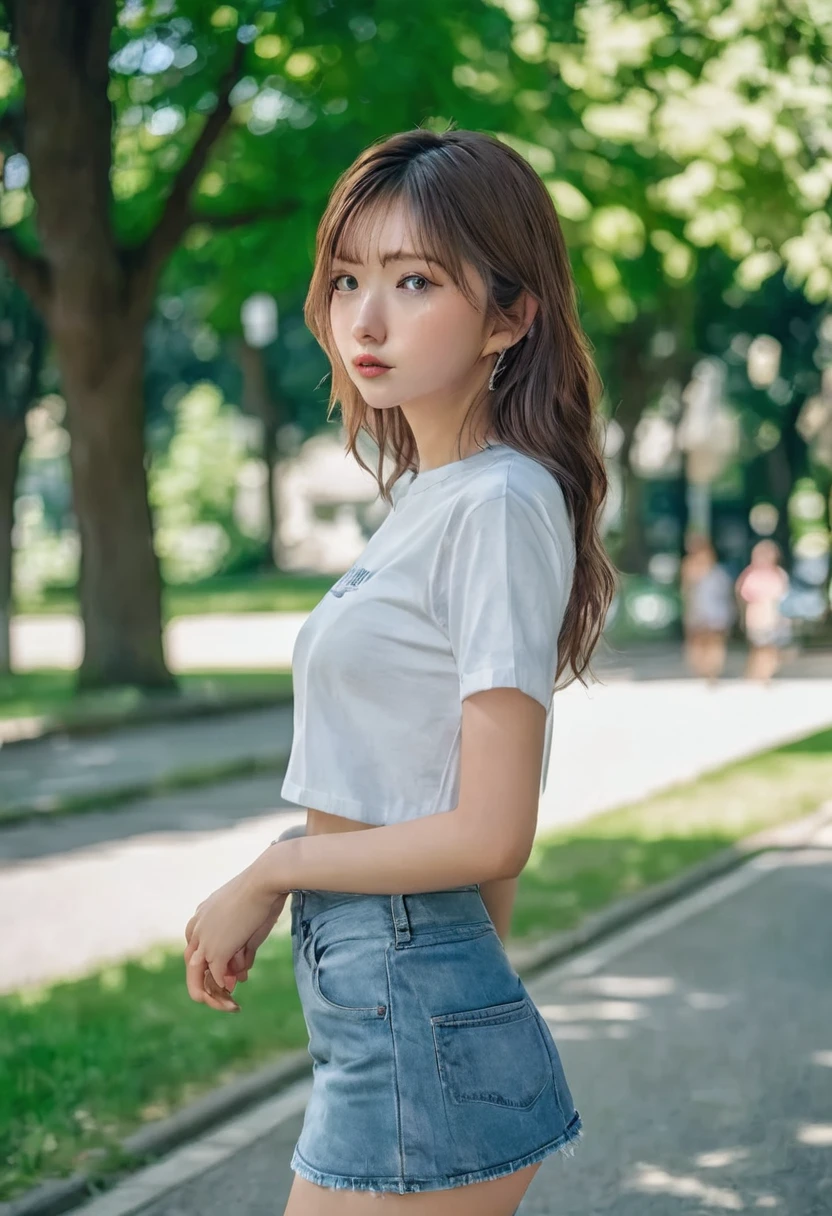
x=423 y=681
x=760 y=590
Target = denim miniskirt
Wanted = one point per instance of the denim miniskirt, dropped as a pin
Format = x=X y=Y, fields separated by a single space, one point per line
x=432 y=1066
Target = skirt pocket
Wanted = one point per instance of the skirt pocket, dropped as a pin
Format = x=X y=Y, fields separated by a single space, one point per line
x=495 y=1055
x=348 y=976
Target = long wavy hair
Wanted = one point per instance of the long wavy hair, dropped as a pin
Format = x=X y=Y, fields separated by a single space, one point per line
x=472 y=199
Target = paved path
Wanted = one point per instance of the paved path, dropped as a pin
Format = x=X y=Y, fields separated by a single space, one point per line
x=246 y=640
x=698 y=1045
x=119 y=882
x=40 y=772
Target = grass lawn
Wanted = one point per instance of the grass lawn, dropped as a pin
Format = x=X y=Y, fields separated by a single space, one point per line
x=51 y=694
x=83 y=1064
x=232 y=593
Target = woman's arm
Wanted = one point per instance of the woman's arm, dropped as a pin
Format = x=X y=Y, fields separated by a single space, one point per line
x=498 y=895
x=489 y=835
x=429 y=854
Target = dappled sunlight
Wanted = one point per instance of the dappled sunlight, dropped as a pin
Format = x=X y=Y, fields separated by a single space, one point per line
x=721 y=1157
x=708 y=1000
x=817 y=1135
x=601 y=1011
x=823 y=1058
x=653 y=1180
x=630 y=986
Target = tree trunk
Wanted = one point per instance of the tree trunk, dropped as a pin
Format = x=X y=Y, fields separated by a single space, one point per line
x=95 y=295
x=120 y=584
x=12 y=439
x=636 y=377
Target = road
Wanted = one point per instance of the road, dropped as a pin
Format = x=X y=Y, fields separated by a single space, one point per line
x=698 y=1045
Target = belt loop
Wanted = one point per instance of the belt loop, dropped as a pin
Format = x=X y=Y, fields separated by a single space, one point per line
x=298 y=901
x=401 y=922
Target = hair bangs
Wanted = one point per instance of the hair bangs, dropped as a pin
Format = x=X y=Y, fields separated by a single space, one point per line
x=431 y=235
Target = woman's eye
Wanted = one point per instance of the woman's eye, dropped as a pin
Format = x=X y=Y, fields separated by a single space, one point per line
x=422 y=283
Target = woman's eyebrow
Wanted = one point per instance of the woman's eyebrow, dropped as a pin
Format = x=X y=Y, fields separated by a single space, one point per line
x=400 y=255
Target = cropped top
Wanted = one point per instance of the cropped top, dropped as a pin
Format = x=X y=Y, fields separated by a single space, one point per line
x=462 y=587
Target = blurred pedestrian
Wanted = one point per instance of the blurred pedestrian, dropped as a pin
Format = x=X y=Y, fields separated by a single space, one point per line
x=761 y=588
x=709 y=609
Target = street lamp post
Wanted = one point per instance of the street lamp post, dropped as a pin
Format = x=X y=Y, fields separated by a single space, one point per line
x=707 y=434
x=259 y=319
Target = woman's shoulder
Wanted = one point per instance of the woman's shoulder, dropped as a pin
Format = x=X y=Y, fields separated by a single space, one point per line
x=519 y=482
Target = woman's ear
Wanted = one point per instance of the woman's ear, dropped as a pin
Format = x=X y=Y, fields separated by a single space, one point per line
x=531 y=310
x=526 y=310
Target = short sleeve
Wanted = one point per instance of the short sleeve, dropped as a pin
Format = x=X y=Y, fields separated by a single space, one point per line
x=507 y=586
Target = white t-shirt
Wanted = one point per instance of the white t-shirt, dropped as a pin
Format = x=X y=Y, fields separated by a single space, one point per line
x=463 y=587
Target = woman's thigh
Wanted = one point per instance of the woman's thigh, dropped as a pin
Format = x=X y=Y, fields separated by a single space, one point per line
x=498 y=1197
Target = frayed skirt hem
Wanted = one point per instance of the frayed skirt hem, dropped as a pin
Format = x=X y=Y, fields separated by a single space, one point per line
x=565 y=1144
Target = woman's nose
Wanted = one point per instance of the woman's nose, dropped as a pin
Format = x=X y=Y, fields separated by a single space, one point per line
x=368 y=322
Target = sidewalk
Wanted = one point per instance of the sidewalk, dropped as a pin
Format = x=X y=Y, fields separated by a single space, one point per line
x=232 y=641
x=696 y=1044
x=43 y=773
x=122 y=881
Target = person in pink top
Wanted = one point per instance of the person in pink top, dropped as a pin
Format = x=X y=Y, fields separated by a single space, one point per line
x=761 y=589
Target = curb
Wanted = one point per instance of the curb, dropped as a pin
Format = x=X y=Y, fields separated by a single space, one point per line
x=796 y=834
x=122 y=795
x=56 y=1197
x=141 y=715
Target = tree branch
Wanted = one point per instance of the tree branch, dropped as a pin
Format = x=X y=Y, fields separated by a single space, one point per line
x=175 y=215
x=239 y=219
x=32 y=273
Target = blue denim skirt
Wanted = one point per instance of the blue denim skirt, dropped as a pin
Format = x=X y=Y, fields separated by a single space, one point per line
x=432 y=1067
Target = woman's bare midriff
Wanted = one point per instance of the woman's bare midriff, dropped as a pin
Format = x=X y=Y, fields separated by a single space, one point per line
x=319 y=822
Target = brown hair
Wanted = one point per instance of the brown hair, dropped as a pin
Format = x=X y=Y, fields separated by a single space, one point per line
x=472 y=199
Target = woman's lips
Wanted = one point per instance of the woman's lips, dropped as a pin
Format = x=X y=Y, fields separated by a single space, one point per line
x=371 y=369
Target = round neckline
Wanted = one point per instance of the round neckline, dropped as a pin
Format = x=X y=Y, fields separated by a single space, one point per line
x=422 y=481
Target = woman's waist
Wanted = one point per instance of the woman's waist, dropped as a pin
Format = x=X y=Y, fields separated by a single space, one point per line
x=318 y=823
x=363 y=914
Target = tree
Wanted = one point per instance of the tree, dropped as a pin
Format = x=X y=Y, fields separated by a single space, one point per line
x=123 y=105
x=22 y=344
x=95 y=292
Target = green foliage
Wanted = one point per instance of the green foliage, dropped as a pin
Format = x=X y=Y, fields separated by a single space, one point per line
x=193 y=488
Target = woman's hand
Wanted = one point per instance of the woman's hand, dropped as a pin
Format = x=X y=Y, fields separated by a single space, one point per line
x=223 y=936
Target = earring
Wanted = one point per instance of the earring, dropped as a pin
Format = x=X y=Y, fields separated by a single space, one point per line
x=497 y=369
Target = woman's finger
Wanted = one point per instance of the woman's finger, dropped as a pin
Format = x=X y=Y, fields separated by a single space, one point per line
x=219 y=971
x=196 y=975
x=194 y=971
x=220 y=997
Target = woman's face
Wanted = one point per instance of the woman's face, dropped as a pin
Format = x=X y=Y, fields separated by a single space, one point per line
x=765 y=553
x=409 y=314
